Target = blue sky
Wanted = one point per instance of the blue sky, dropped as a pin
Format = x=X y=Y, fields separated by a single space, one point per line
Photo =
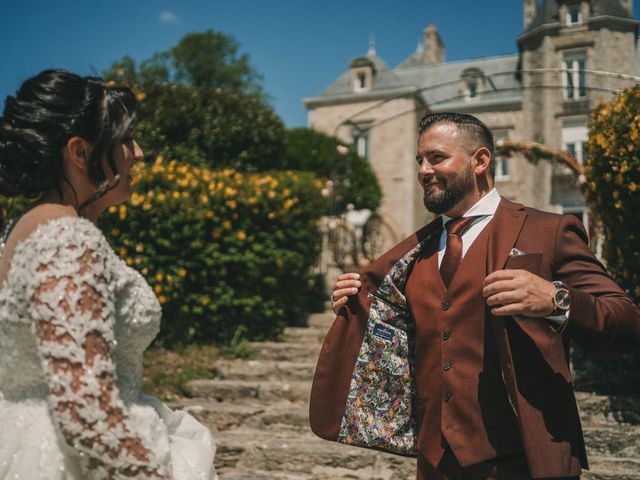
x=299 y=46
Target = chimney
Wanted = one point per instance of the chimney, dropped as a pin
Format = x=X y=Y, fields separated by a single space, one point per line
x=433 y=51
x=530 y=10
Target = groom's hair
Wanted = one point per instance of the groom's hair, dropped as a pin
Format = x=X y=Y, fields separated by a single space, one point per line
x=476 y=134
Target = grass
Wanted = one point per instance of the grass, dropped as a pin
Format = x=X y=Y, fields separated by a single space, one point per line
x=166 y=372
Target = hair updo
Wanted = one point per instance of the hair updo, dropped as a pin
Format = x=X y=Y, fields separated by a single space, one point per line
x=47 y=111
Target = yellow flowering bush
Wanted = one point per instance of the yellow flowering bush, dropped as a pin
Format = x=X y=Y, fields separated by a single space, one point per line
x=10 y=209
x=613 y=176
x=220 y=248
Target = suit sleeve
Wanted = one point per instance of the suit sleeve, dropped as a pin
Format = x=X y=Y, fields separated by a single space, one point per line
x=602 y=316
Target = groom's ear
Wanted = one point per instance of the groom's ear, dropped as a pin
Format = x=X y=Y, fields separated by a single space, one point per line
x=482 y=161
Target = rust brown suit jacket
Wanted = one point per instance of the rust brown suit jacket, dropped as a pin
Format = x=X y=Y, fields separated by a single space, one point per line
x=533 y=354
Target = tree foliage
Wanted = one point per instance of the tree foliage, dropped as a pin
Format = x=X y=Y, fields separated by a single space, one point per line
x=210 y=127
x=354 y=181
x=202 y=59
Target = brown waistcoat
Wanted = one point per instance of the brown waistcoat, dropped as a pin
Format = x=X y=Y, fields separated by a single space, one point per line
x=462 y=400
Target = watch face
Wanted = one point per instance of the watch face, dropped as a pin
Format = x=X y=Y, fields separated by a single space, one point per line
x=562 y=299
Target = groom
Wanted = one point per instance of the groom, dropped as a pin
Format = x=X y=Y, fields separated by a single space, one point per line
x=495 y=295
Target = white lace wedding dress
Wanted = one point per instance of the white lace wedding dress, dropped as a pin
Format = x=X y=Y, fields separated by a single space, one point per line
x=74 y=323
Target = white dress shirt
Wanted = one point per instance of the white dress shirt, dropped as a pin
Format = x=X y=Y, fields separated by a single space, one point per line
x=484 y=209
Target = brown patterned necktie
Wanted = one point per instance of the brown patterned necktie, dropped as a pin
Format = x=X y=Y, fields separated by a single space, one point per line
x=453 y=253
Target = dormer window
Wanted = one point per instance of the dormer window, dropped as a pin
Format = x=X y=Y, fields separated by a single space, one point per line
x=362 y=74
x=360 y=82
x=472 y=82
x=574 y=15
x=472 y=89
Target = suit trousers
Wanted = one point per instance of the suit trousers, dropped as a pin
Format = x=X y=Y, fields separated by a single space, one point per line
x=511 y=467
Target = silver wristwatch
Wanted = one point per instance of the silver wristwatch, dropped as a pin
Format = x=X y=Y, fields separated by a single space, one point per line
x=561 y=299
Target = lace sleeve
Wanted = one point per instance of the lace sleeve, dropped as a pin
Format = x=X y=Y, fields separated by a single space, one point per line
x=72 y=302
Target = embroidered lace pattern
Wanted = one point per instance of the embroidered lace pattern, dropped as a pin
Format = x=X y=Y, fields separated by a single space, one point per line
x=58 y=309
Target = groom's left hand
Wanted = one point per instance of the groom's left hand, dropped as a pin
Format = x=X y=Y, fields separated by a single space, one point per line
x=518 y=292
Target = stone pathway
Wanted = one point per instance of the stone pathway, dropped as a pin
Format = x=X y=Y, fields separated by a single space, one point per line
x=257 y=411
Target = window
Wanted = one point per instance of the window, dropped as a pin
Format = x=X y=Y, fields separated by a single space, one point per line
x=471 y=90
x=574 y=140
x=471 y=79
x=502 y=168
x=574 y=15
x=361 y=142
x=502 y=164
x=574 y=78
x=360 y=82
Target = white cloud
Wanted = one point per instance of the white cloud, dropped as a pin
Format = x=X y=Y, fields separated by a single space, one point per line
x=169 y=17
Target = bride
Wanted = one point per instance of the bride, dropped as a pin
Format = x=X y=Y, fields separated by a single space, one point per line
x=74 y=319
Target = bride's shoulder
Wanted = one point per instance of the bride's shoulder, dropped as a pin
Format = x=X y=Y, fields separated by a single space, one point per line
x=51 y=225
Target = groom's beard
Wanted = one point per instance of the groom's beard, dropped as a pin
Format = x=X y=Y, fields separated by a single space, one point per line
x=442 y=200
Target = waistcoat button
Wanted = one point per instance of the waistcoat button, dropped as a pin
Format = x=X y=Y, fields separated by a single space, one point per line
x=447 y=366
x=445 y=306
x=447 y=396
x=446 y=335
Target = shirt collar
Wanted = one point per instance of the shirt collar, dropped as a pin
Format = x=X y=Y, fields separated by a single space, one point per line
x=486 y=206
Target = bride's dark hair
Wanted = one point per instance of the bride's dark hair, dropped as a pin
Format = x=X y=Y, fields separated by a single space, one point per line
x=47 y=111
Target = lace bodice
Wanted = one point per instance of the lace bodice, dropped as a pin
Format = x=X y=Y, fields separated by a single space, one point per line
x=74 y=323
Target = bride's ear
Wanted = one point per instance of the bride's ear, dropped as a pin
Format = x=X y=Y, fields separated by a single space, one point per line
x=77 y=151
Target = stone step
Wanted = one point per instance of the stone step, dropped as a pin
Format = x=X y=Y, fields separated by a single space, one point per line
x=616 y=441
x=305 y=334
x=219 y=416
x=264 y=370
x=305 y=455
x=602 y=409
x=321 y=320
x=612 y=468
x=285 y=351
x=243 y=391
x=240 y=474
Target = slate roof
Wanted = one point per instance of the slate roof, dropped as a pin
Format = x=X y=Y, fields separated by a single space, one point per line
x=439 y=85
x=548 y=12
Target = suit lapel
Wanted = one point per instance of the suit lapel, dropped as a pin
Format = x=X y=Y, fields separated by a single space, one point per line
x=507 y=224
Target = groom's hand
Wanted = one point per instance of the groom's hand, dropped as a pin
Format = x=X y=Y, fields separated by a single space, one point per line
x=518 y=292
x=346 y=285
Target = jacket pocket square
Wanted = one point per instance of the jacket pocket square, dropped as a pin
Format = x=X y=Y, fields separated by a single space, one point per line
x=530 y=262
x=516 y=253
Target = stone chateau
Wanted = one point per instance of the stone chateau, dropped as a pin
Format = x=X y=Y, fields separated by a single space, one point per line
x=571 y=54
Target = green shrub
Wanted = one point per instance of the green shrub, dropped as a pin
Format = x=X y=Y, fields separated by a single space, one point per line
x=354 y=178
x=221 y=249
